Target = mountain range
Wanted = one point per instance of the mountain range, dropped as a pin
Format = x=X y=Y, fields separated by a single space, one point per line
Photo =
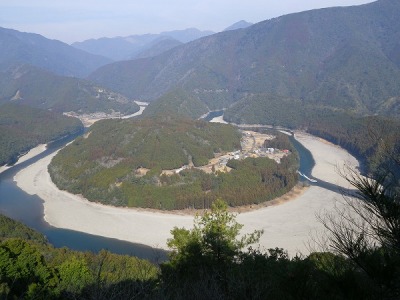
x=28 y=48
x=134 y=46
x=343 y=58
x=146 y=45
x=339 y=58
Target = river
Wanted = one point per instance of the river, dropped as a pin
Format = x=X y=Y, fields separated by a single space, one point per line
x=28 y=209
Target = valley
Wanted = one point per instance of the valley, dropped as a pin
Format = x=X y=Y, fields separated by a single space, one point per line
x=65 y=210
x=287 y=225
x=259 y=161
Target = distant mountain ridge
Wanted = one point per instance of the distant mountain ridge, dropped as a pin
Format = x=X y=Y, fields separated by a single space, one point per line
x=27 y=48
x=239 y=25
x=157 y=47
x=130 y=47
x=345 y=58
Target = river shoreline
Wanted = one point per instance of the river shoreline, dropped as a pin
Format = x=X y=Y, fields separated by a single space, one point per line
x=287 y=225
x=30 y=154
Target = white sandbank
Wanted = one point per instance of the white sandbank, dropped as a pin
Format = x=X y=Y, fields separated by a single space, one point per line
x=329 y=159
x=30 y=154
x=65 y=210
x=290 y=225
x=287 y=225
x=138 y=113
x=89 y=119
x=219 y=119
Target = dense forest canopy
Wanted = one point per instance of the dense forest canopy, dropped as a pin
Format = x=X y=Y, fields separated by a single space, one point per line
x=153 y=163
x=31 y=268
x=210 y=261
x=28 y=85
x=345 y=58
x=22 y=128
x=331 y=72
x=360 y=135
x=176 y=102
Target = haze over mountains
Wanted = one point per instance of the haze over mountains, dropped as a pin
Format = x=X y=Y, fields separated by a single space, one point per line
x=346 y=58
x=239 y=25
x=29 y=48
x=146 y=45
x=38 y=72
x=336 y=58
x=134 y=46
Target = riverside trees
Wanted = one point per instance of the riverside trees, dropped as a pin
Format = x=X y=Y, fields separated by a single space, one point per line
x=23 y=127
x=210 y=250
x=370 y=234
x=109 y=172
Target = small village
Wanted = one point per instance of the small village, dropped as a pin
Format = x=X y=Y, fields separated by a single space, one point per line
x=252 y=144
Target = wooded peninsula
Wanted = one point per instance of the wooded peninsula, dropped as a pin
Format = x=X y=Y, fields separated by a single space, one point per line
x=162 y=164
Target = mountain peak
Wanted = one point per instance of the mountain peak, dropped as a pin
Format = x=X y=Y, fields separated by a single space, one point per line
x=239 y=25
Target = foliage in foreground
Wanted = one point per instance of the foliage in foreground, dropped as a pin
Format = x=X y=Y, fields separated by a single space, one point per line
x=30 y=268
x=207 y=262
x=210 y=261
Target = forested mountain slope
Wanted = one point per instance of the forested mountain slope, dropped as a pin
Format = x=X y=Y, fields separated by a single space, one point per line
x=23 y=127
x=28 y=48
x=176 y=103
x=36 y=87
x=363 y=136
x=336 y=57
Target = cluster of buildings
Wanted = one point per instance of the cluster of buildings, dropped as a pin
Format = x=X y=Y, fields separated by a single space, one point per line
x=252 y=145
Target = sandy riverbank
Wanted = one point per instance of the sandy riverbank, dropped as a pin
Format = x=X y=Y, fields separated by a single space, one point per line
x=291 y=224
x=30 y=154
x=89 y=119
x=287 y=225
x=329 y=158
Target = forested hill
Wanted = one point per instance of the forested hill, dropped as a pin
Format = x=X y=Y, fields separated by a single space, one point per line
x=28 y=48
x=22 y=128
x=176 y=103
x=336 y=57
x=362 y=136
x=159 y=163
x=29 y=85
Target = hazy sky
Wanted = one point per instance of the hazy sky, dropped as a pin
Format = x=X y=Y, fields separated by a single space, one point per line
x=77 y=20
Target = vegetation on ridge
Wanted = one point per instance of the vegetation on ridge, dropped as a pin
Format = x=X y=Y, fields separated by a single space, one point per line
x=55 y=56
x=176 y=103
x=129 y=170
x=358 y=135
x=343 y=58
x=23 y=128
x=211 y=261
x=38 y=88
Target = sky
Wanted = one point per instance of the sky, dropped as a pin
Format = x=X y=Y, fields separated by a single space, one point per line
x=77 y=20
